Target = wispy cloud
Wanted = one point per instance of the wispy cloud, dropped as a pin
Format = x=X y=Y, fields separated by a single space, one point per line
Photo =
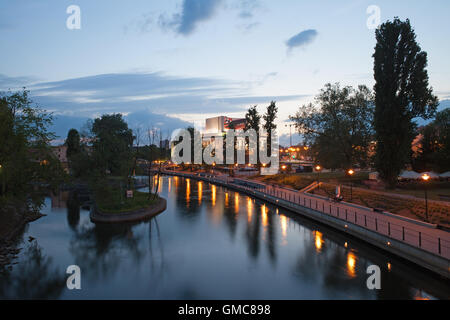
x=131 y=92
x=247 y=8
x=192 y=13
x=14 y=83
x=148 y=97
x=142 y=24
x=302 y=39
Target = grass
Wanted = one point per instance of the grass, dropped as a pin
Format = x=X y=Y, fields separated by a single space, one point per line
x=408 y=207
x=388 y=200
x=114 y=204
x=433 y=194
x=110 y=197
x=299 y=181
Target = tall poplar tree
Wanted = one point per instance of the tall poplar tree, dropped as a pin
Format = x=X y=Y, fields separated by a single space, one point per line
x=402 y=93
x=269 y=124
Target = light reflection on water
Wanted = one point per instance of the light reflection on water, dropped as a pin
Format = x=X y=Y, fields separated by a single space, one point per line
x=210 y=243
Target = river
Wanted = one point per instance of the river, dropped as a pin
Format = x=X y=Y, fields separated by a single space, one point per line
x=210 y=243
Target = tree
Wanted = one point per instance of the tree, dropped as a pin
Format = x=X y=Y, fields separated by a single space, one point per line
x=252 y=121
x=26 y=158
x=422 y=159
x=113 y=142
x=73 y=143
x=269 y=125
x=402 y=93
x=434 y=145
x=338 y=126
x=442 y=157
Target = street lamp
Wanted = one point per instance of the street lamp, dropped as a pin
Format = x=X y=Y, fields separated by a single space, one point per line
x=426 y=177
x=351 y=172
x=290 y=132
x=318 y=169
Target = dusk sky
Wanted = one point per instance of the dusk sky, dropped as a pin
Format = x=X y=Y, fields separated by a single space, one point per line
x=171 y=62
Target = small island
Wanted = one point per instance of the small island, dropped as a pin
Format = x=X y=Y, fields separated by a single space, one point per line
x=140 y=207
x=106 y=158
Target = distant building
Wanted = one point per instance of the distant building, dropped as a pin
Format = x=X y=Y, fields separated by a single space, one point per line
x=60 y=153
x=215 y=125
x=222 y=124
x=236 y=124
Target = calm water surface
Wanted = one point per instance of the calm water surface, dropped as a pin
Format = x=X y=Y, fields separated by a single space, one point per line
x=210 y=243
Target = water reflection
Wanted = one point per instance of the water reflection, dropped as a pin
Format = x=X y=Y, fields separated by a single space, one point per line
x=213 y=190
x=188 y=191
x=210 y=243
x=283 y=222
x=351 y=263
x=200 y=191
x=73 y=211
x=318 y=240
x=34 y=278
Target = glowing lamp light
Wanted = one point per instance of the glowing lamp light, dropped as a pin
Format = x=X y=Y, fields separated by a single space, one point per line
x=351 y=172
x=284 y=167
x=425 y=177
x=318 y=168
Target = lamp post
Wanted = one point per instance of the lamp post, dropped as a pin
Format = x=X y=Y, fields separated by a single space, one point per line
x=290 y=132
x=350 y=173
x=426 y=178
x=318 y=169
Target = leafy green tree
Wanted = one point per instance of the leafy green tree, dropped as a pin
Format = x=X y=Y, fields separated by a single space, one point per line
x=338 y=126
x=402 y=93
x=442 y=158
x=73 y=143
x=434 y=152
x=269 y=122
x=423 y=159
x=26 y=158
x=112 y=144
x=77 y=155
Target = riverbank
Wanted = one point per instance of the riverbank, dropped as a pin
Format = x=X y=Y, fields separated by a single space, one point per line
x=14 y=216
x=403 y=202
x=424 y=245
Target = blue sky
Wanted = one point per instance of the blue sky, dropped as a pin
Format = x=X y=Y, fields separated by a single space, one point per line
x=189 y=59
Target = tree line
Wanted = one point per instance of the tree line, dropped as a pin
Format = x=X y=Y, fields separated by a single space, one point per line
x=108 y=147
